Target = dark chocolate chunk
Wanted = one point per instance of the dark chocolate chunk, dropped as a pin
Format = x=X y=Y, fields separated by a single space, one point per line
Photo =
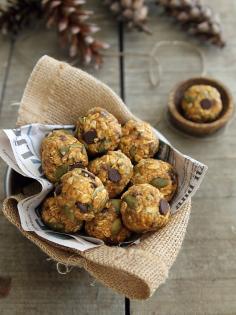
x=164 y=207
x=82 y=206
x=206 y=103
x=62 y=138
x=89 y=136
x=114 y=175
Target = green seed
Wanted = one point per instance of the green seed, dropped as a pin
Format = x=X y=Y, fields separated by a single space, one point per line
x=116 y=226
x=188 y=99
x=75 y=145
x=97 y=191
x=56 y=226
x=116 y=204
x=64 y=150
x=132 y=151
x=68 y=213
x=131 y=201
x=159 y=182
x=61 y=170
x=101 y=149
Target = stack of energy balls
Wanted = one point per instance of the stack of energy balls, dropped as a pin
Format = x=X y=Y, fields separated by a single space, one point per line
x=106 y=180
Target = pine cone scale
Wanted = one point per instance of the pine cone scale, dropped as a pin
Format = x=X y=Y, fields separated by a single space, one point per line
x=74 y=31
x=132 y=12
x=197 y=18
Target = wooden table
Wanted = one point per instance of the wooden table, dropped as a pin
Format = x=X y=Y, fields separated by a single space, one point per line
x=203 y=279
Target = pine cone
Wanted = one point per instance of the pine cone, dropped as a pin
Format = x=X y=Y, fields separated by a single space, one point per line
x=70 y=19
x=132 y=12
x=18 y=14
x=196 y=18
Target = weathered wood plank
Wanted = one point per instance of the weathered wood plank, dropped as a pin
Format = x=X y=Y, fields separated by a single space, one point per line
x=36 y=285
x=4 y=53
x=202 y=281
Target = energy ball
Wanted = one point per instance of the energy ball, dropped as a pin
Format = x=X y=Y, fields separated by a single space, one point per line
x=60 y=151
x=143 y=209
x=82 y=193
x=59 y=219
x=138 y=140
x=157 y=173
x=107 y=225
x=202 y=103
x=100 y=131
x=115 y=171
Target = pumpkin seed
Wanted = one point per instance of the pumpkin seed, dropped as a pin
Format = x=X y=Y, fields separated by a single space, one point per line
x=75 y=145
x=132 y=151
x=97 y=191
x=68 y=213
x=102 y=149
x=60 y=170
x=188 y=99
x=116 y=226
x=159 y=182
x=131 y=201
x=56 y=226
x=116 y=204
x=64 y=150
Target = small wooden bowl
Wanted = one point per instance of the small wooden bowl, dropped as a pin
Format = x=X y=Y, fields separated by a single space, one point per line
x=199 y=129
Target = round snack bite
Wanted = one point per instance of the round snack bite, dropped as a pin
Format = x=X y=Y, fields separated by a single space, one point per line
x=143 y=209
x=60 y=151
x=107 y=225
x=115 y=171
x=159 y=174
x=82 y=192
x=59 y=219
x=100 y=131
x=202 y=103
x=138 y=140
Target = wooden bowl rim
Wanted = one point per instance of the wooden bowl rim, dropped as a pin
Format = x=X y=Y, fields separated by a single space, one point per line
x=203 y=126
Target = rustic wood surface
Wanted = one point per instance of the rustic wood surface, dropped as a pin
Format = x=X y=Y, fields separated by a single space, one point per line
x=203 y=279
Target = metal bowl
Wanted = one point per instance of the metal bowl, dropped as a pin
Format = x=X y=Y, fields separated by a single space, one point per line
x=15 y=183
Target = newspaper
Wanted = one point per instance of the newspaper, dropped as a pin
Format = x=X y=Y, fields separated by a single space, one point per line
x=20 y=149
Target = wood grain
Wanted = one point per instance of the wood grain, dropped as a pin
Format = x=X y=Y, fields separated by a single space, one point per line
x=202 y=281
x=37 y=288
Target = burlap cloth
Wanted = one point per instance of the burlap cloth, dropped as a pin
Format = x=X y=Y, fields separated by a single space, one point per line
x=58 y=93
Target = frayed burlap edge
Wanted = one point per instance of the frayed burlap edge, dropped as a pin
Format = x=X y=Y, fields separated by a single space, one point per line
x=135 y=271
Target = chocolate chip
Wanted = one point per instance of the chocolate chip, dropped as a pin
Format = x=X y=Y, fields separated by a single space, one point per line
x=75 y=165
x=114 y=175
x=206 y=103
x=82 y=206
x=164 y=207
x=62 y=138
x=89 y=136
